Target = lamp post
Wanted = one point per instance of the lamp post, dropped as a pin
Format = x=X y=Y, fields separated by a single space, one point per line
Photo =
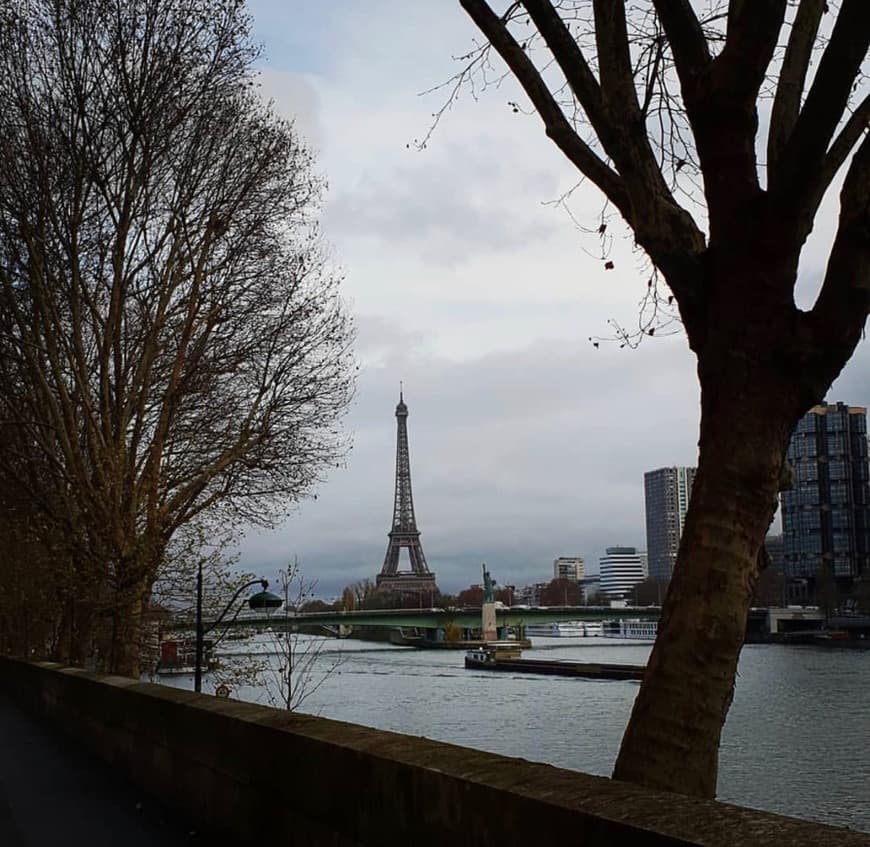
x=261 y=600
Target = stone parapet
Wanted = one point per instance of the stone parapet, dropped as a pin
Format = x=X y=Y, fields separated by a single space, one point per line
x=252 y=774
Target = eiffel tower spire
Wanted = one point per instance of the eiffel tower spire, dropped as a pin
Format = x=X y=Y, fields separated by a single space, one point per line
x=404 y=532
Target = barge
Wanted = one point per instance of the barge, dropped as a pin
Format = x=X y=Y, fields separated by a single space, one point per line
x=489 y=659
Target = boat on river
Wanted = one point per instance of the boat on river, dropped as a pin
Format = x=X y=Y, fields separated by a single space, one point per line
x=563 y=629
x=487 y=658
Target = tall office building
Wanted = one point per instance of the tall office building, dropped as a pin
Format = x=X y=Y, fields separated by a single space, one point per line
x=666 y=492
x=569 y=567
x=826 y=514
x=621 y=569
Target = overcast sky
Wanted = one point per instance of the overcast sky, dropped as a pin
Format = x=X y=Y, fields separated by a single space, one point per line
x=467 y=283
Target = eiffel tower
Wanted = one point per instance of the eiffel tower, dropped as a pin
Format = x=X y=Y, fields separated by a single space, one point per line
x=404 y=532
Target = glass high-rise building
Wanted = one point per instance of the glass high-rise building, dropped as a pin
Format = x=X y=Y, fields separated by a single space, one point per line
x=666 y=494
x=826 y=514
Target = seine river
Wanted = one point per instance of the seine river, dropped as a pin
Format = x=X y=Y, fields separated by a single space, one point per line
x=797 y=739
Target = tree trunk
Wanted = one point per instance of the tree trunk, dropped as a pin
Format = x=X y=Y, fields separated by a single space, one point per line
x=672 y=740
x=136 y=574
x=65 y=635
x=126 y=639
x=127 y=620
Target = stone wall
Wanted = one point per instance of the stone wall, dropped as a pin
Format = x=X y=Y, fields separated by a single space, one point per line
x=252 y=774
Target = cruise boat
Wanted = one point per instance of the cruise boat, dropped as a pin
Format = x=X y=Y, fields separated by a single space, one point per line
x=563 y=629
x=637 y=630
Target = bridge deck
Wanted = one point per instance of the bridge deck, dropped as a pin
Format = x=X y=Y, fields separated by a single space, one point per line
x=439 y=618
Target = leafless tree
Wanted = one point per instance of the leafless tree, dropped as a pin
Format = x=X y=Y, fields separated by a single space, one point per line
x=658 y=104
x=172 y=342
x=303 y=665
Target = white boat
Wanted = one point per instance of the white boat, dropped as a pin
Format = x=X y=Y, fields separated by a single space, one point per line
x=633 y=629
x=563 y=629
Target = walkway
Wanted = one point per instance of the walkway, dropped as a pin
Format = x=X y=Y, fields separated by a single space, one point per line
x=52 y=793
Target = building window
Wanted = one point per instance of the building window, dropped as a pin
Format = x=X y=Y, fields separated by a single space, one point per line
x=836 y=445
x=837 y=469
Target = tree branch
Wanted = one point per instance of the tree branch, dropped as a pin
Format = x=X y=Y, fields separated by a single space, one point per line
x=799 y=168
x=792 y=77
x=753 y=29
x=721 y=115
x=851 y=132
x=849 y=136
x=556 y=124
x=665 y=230
x=841 y=309
x=572 y=63
x=688 y=44
x=617 y=79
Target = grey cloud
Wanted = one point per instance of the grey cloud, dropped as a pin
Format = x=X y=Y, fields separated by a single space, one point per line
x=295 y=98
x=445 y=206
x=516 y=457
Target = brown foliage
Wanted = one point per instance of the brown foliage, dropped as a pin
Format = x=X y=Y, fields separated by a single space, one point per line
x=562 y=592
x=471 y=596
x=173 y=345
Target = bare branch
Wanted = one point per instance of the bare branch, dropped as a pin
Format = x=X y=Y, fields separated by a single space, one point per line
x=617 y=78
x=792 y=78
x=753 y=29
x=854 y=128
x=572 y=63
x=799 y=170
x=557 y=126
x=840 y=311
x=850 y=134
x=689 y=46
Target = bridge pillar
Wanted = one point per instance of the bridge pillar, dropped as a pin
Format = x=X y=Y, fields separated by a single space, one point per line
x=490 y=632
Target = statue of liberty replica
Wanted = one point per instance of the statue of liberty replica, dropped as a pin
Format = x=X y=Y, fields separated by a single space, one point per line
x=490 y=631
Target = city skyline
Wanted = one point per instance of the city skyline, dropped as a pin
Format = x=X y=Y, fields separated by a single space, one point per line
x=470 y=285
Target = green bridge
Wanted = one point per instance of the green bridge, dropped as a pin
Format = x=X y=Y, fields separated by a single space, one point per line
x=434 y=619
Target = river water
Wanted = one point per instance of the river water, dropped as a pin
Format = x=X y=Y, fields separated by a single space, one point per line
x=797 y=739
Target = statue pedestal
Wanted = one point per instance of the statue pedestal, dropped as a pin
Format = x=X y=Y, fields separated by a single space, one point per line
x=490 y=632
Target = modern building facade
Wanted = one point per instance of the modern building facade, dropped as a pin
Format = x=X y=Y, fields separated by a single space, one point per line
x=529 y=595
x=591 y=587
x=775 y=546
x=826 y=514
x=620 y=569
x=569 y=567
x=666 y=495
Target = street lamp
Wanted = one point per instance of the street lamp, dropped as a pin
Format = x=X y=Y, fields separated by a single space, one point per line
x=261 y=600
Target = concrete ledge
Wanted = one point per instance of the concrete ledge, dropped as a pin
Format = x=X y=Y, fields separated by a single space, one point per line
x=253 y=773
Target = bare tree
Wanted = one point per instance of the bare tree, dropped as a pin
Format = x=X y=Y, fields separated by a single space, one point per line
x=656 y=103
x=172 y=342
x=303 y=664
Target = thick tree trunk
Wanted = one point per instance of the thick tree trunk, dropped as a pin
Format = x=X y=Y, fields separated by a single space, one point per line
x=127 y=639
x=136 y=574
x=672 y=740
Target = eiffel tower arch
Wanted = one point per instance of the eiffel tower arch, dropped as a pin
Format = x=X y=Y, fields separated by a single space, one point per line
x=404 y=532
